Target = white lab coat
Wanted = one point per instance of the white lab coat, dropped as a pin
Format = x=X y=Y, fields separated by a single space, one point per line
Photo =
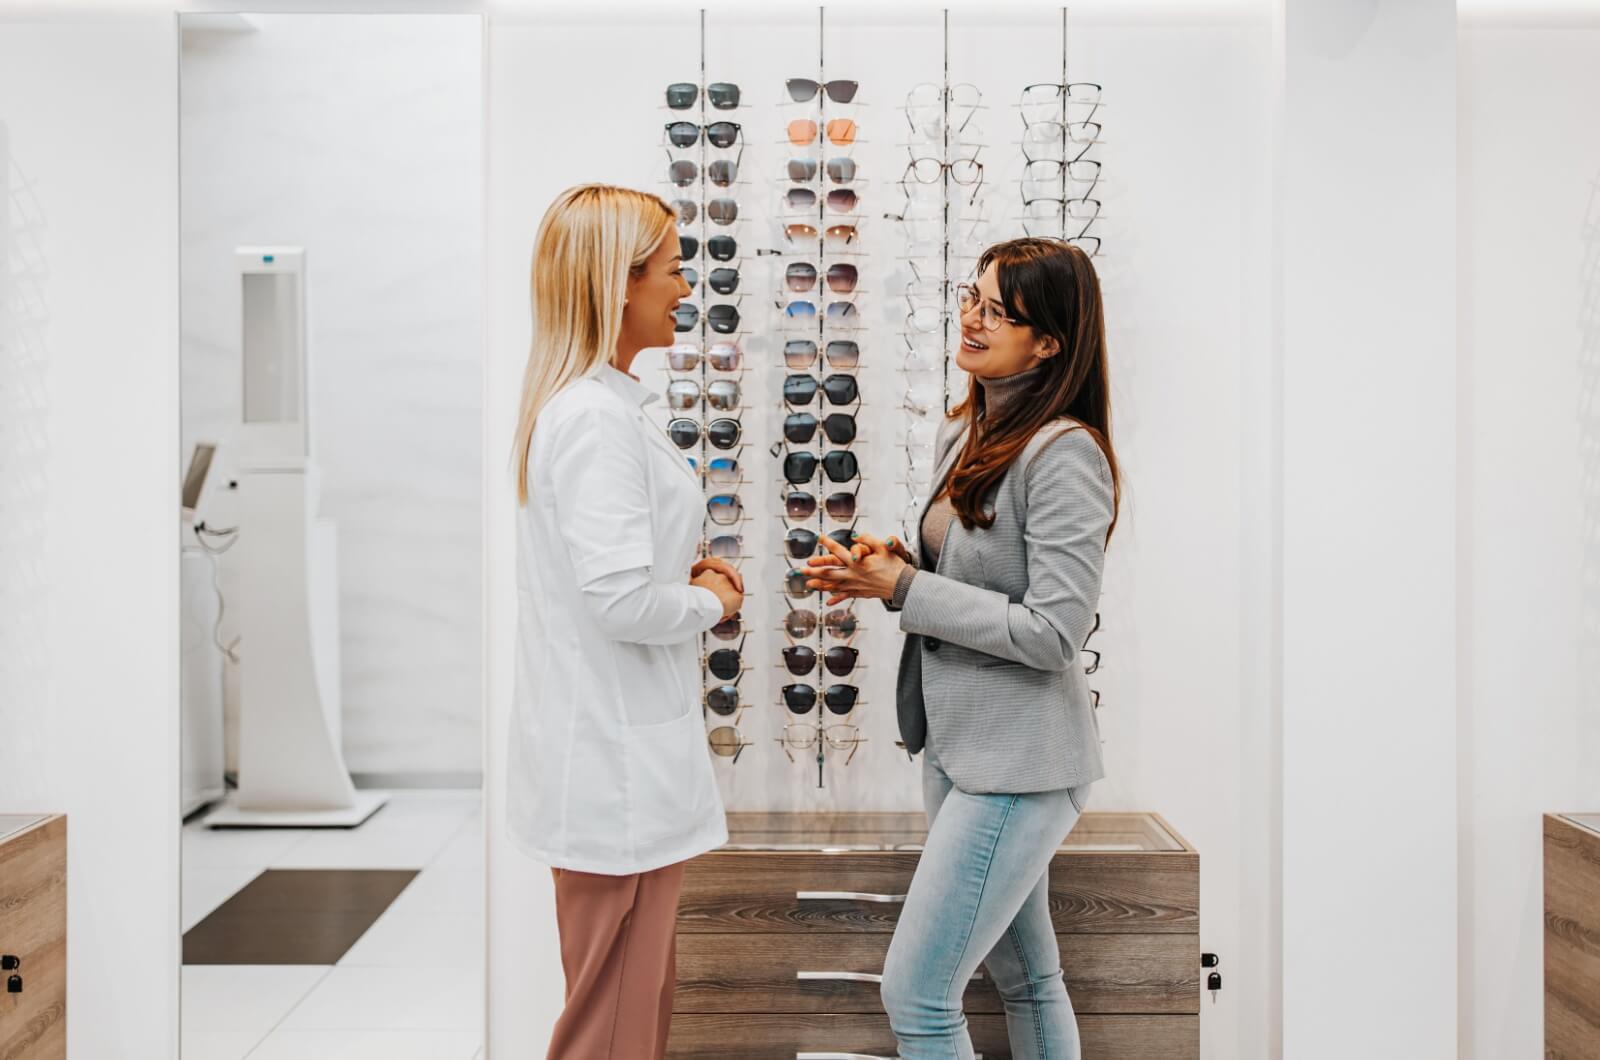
x=607 y=767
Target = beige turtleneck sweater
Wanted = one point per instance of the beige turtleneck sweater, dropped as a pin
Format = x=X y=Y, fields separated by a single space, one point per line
x=997 y=394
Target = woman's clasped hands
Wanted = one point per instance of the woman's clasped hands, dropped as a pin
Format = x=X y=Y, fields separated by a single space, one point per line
x=722 y=578
x=867 y=569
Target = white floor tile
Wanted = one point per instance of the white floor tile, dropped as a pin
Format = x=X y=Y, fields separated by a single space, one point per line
x=217 y=847
x=415 y=998
x=368 y=1045
x=464 y=851
x=206 y=888
x=246 y=998
x=217 y=1045
x=401 y=939
x=442 y=889
x=399 y=842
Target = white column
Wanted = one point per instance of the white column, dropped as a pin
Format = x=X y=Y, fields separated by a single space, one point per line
x=1368 y=264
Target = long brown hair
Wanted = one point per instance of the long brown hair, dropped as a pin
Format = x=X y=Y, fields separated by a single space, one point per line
x=1053 y=286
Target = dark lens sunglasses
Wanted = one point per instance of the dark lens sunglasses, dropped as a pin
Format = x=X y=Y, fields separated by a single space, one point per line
x=838 y=389
x=721 y=433
x=801 y=427
x=801 y=659
x=839 y=465
x=687 y=133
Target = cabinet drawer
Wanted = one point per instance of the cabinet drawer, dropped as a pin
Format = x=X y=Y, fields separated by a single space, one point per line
x=841 y=973
x=785 y=1037
x=1098 y=892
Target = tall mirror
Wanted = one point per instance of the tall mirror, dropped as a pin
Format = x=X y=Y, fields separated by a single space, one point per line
x=331 y=536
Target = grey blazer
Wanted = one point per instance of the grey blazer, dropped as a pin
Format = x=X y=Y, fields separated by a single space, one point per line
x=990 y=664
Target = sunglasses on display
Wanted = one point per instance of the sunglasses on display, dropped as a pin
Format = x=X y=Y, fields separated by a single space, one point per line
x=720 y=471
x=801 y=427
x=726 y=546
x=803 y=89
x=840 y=170
x=720 y=94
x=802 y=698
x=840 y=235
x=721 y=433
x=838 y=389
x=801 y=354
x=717 y=134
x=799 y=506
x=722 y=356
x=841 y=277
x=839 y=200
x=719 y=248
x=723 y=700
x=840 y=623
x=838 y=313
x=724 y=319
x=726 y=664
x=722 y=172
x=839 y=465
x=730 y=627
x=725 y=509
x=727 y=742
x=801 y=659
x=802 y=543
x=721 y=394
x=841 y=132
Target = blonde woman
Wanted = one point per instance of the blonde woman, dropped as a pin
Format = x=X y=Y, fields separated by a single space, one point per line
x=608 y=777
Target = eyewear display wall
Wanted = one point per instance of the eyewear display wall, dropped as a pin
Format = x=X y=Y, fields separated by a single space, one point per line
x=801 y=197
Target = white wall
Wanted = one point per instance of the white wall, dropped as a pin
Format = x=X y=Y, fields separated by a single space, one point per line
x=1530 y=505
x=360 y=138
x=1369 y=524
x=88 y=556
x=1187 y=161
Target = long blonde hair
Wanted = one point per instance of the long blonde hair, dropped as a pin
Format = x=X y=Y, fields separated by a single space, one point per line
x=591 y=238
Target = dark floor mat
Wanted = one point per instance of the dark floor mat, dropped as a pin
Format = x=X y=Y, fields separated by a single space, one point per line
x=295 y=916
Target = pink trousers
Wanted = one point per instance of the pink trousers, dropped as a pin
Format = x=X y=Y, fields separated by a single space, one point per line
x=618 y=935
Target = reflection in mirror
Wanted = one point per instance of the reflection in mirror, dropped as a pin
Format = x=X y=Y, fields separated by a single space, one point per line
x=330 y=529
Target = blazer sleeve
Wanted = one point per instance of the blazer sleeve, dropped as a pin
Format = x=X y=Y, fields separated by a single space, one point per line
x=601 y=493
x=1069 y=502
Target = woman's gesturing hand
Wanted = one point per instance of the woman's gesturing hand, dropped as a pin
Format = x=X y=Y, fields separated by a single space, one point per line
x=867 y=569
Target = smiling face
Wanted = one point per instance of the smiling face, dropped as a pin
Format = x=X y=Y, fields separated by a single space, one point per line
x=1010 y=348
x=654 y=292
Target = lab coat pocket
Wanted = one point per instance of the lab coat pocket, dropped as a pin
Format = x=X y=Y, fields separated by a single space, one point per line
x=671 y=789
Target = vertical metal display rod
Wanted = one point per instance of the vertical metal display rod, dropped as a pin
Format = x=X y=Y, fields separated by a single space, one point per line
x=822 y=351
x=1065 y=138
x=701 y=273
x=945 y=180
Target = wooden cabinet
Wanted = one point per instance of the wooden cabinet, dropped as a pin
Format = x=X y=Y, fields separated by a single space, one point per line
x=1572 y=936
x=783 y=931
x=33 y=927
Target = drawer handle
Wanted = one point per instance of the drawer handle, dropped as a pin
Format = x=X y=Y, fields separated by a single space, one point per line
x=847 y=896
x=856 y=977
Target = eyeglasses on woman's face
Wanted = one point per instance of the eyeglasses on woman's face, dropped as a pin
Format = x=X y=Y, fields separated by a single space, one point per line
x=968 y=298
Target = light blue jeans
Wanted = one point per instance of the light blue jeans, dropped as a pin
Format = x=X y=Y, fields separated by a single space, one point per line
x=981 y=892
